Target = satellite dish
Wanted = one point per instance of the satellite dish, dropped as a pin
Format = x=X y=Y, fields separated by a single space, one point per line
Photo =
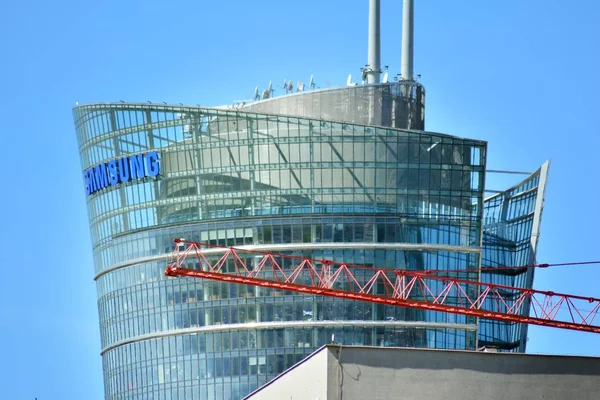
x=270 y=88
x=349 y=81
x=290 y=86
x=256 y=95
x=386 y=77
x=300 y=87
x=265 y=94
x=312 y=82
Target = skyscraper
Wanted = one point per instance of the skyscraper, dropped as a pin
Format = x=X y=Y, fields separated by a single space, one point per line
x=343 y=174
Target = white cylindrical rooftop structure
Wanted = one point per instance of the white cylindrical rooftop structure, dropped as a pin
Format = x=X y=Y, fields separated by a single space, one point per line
x=406 y=72
x=374 y=63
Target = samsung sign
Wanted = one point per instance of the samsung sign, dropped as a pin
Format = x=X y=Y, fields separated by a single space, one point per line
x=121 y=170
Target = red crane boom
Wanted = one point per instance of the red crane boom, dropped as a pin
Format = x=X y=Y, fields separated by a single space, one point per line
x=414 y=289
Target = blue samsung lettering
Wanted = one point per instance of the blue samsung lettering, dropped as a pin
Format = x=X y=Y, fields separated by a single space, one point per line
x=95 y=179
x=137 y=166
x=152 y=164
x=88 y=183
x=113 y=176
x=89 y=178
x=93 y=186
x=101 y=178
x=122 y=170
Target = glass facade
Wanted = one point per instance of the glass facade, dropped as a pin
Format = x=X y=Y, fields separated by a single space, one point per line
x=511 y=230
x=230 y=177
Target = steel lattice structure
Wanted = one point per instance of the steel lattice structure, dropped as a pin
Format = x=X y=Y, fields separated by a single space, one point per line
x=421 y=290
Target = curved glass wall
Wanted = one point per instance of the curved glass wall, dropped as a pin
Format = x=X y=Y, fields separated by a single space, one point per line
x=243 y=179
x=511 y=230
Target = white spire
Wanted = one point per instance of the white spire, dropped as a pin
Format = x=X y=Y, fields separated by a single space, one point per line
x=374 y=64
x=406 y=72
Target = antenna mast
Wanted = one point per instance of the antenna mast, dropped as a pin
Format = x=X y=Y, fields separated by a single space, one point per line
x=406 y=73
x=374 y=65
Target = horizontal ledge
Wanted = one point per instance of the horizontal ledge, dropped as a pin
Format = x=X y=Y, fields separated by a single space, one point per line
x=498 y=171
x=290 y=324
x=305 y=246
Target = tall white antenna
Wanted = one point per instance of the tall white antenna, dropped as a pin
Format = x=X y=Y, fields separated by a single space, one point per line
x=406 y=72
x=374 y=64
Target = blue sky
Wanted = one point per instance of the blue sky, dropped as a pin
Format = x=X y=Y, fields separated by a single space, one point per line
x=522 y=75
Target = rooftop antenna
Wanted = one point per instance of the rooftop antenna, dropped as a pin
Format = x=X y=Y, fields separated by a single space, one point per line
x=374 y=65
x=365 y=72
x=406 y=72
x=312 y=82
x=349 y=81
x=386 y=77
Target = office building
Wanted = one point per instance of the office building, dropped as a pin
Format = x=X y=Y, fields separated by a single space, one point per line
x=343 y=174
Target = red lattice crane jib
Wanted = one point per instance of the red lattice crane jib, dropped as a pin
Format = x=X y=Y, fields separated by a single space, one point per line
x=416 y=289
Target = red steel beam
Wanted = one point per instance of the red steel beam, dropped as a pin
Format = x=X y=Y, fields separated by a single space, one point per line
x=399 y=287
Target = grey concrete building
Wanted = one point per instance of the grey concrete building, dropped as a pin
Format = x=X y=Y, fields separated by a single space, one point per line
x=357 y=373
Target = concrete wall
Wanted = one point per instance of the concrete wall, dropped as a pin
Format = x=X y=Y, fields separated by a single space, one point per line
x=394 y=104
x=306 y=380
x=358 y=373
x=371 y=373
